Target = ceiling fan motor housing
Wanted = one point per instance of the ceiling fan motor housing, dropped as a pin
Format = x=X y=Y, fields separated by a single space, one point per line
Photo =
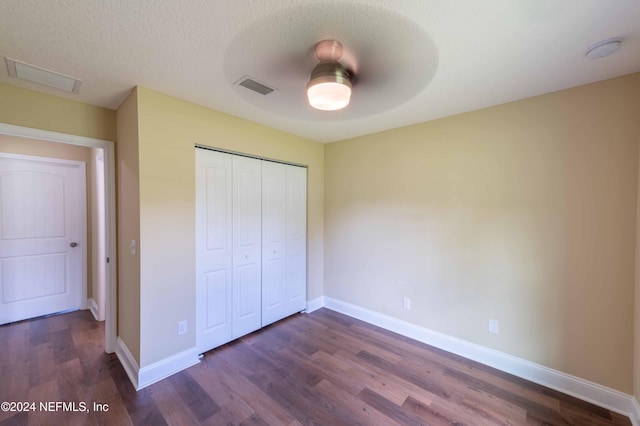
x=329 y=71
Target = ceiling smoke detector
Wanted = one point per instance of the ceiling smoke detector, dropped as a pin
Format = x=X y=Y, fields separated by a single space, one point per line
x=604 y=48
x=329 y=87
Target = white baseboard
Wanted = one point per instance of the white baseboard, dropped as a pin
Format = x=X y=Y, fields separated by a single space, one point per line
x=603 y=396
x=315 y=304
x=635 y=412
x=128 y=362
x=150 y=374
x=166 y=367
x=93 y=307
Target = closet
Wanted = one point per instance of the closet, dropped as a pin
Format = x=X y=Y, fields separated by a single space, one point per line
x=250 y=244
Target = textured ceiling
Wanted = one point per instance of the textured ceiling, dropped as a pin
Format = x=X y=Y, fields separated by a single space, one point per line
x=415 y=60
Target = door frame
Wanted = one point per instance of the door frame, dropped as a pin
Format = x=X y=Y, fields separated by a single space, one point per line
x=110 y=213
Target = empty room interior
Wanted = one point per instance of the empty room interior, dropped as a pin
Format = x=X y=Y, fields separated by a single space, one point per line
x=320 y=212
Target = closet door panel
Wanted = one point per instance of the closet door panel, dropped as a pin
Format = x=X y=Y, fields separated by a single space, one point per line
x=247 y=243
x=274 y=280
x=215 y=296
x=296 y=239
x=213 y=248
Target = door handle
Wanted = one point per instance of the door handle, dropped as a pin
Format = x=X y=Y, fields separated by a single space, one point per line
x=73 y=244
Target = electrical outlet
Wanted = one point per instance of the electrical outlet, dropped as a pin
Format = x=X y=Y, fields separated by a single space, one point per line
x=494 y=326
x=182 y=327
x=406 y=303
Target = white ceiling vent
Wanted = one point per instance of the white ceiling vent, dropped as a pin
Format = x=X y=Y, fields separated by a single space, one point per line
x=42 y=76
x=253 y=84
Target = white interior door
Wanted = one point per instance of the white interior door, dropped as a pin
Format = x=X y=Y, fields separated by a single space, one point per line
x=247 y=245
x=284 y=241
x=42 y=236
x=213 y=248
x=274 y=221
x=296 y=239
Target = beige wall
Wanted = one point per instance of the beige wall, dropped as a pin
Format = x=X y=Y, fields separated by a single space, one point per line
x=127 y=171
x=168 y=130
x=28 y=108
x=636 y=353
x=38 y=148
x=602 y=131
x=524 y=213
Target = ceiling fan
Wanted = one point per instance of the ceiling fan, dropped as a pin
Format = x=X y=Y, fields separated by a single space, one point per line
x=329 y=87
x=319 y=67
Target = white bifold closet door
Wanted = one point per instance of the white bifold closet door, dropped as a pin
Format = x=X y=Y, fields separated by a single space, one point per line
x=284 y=241
x=246 y=246
x=213 y=248
x=250 y=245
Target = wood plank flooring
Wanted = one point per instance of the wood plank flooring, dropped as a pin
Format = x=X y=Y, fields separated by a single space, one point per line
x=321 y=368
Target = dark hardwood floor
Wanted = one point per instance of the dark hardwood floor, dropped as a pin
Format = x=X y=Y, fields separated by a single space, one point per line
x=321 y=368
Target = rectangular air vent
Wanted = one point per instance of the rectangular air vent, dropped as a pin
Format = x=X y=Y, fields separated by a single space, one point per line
x=42 y=76
x=252 y=84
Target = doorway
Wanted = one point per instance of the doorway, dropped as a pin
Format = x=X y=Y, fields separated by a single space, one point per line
x=109 y=215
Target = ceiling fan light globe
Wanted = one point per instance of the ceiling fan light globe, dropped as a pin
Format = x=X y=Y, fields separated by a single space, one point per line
x=329 y=96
